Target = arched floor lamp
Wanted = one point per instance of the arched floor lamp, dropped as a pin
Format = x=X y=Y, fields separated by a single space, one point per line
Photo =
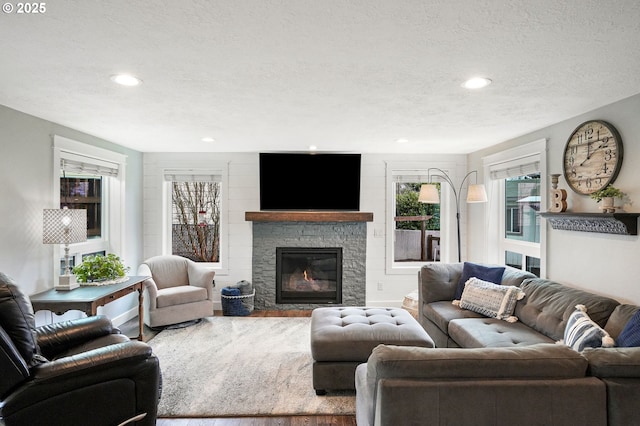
x=476 y=193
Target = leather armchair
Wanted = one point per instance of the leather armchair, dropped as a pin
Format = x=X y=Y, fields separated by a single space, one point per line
x=76 y=372
x=179 y=290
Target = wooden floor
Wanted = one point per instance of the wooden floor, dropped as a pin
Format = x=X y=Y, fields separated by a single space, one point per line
x=251 y=421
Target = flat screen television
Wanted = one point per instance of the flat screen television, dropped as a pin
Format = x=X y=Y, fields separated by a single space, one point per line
x=302 y=181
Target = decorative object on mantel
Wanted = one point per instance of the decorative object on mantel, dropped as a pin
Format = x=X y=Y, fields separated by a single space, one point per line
x=558 y=196
x=592 y=157
x=605 y=223
x=475 y=194
x=64 y=226
x=607 y=196
x=101 y=270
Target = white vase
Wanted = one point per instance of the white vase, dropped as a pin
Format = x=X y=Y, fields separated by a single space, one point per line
x=607 y=205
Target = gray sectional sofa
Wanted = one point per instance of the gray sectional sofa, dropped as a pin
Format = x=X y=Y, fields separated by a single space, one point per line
x=487 y=371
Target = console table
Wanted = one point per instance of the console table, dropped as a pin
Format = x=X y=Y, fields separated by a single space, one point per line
x=88 y=298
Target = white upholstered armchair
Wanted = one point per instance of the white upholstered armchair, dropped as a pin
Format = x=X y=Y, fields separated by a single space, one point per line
x=179 y=290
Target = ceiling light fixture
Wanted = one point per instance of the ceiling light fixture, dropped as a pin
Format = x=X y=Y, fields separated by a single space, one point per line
x=126 y=80
x=476 y=83
x=312 y=148
x=402 y=140
x=208 y=139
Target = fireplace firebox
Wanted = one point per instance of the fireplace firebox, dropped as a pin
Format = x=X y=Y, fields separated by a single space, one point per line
x=308 y=275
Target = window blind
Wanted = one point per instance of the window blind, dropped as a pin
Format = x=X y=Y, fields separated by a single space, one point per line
x=75 y=163
x=192 y=176
x=516 y=167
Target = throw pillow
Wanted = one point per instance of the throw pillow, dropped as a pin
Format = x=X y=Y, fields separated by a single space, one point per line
x=489 y=299
x=492 y=274
x=582 y=332
x=630 y=334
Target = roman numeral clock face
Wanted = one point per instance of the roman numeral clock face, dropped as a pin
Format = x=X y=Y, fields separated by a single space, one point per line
x=592 y=156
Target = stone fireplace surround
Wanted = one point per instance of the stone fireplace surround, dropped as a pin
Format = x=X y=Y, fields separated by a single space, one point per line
x=309 y=229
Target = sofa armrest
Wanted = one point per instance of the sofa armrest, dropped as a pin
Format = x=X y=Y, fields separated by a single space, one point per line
x=56 y=338
x=123 y=354
x=613 y=362
x=201 y=276
x=525 y=362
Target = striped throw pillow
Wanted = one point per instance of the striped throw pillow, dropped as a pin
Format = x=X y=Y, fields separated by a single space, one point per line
x=582 y=332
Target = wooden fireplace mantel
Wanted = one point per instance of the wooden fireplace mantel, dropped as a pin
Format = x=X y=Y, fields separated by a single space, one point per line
x=308 y=216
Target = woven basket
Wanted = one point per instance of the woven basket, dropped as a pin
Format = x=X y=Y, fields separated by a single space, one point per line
x=237 y=306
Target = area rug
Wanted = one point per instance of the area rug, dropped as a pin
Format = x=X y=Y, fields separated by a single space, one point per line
x=242 y=366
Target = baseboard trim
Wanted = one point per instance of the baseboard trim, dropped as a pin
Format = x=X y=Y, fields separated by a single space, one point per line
x=124 y=317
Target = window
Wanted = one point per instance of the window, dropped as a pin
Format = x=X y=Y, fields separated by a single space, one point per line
x=416 y=232
x=195 y=218
x=515 y=187
x=91 y=178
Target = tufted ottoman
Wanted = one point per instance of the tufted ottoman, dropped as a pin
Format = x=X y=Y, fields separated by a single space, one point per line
x=343 y=337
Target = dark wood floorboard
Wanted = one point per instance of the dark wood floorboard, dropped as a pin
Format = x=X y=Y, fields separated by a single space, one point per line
x=130 y=328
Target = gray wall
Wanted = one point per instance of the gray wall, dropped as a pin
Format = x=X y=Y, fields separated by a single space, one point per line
x=602 y=263
x=26 y=173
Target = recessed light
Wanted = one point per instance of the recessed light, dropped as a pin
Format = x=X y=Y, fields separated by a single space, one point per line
x=126 y=80
x=402 y=140
x=208 y=139
x=312 y=148
x=476 y=83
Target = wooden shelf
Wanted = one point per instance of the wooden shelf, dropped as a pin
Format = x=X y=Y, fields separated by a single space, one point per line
x=605 y=223
x=307 y=216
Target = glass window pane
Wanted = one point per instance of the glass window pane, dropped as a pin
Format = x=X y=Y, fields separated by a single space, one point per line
x=513 y=259
x=533 y=265
x=522 y=203
x=195 y=227
x=84 y=192
x=416 y=238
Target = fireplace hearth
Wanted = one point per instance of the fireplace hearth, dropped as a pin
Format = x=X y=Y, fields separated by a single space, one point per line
x=309 y=275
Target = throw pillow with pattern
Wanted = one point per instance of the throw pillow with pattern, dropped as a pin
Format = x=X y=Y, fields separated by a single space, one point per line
x=582 y=332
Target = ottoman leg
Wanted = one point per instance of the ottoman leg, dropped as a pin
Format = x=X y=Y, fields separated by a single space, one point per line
x=321 y=392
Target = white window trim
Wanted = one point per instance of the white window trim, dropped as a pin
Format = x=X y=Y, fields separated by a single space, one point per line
x=448 y=249
x=112 y=240
x=496 y=243
x=221 y=169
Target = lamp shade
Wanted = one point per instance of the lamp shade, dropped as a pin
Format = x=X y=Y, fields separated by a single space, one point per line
x=64 y=226
x=429 y=194
x=476 y=194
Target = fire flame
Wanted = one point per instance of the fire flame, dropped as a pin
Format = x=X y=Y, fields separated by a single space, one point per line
x=306 y=277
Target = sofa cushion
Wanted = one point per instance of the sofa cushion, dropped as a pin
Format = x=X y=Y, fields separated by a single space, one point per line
x=548 y=305
x=180 y=295
x=493 y=274
x=582 y=332
x=491 y=332
x=491 y=300
x=441 y=313
x=18 y=321
x=630 y=335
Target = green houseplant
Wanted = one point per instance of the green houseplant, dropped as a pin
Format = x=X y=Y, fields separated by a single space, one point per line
x=100 y=268
x=608 y=191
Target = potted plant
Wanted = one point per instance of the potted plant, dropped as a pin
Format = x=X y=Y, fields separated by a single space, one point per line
x=606 y=195
x=100 y=268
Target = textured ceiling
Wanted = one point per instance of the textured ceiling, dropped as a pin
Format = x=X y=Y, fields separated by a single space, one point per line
x=345 y=75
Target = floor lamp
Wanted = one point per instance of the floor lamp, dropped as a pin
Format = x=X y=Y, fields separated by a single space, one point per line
x=64 y=226
x=475 y=194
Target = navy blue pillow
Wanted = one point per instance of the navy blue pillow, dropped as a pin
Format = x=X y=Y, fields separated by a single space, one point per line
x=493 y=274
x=630 y=334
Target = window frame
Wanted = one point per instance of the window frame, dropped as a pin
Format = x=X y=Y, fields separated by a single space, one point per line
x=497 y=244
x=113 y=192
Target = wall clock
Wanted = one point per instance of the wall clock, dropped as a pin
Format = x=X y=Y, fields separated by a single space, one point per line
x=592 y=156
